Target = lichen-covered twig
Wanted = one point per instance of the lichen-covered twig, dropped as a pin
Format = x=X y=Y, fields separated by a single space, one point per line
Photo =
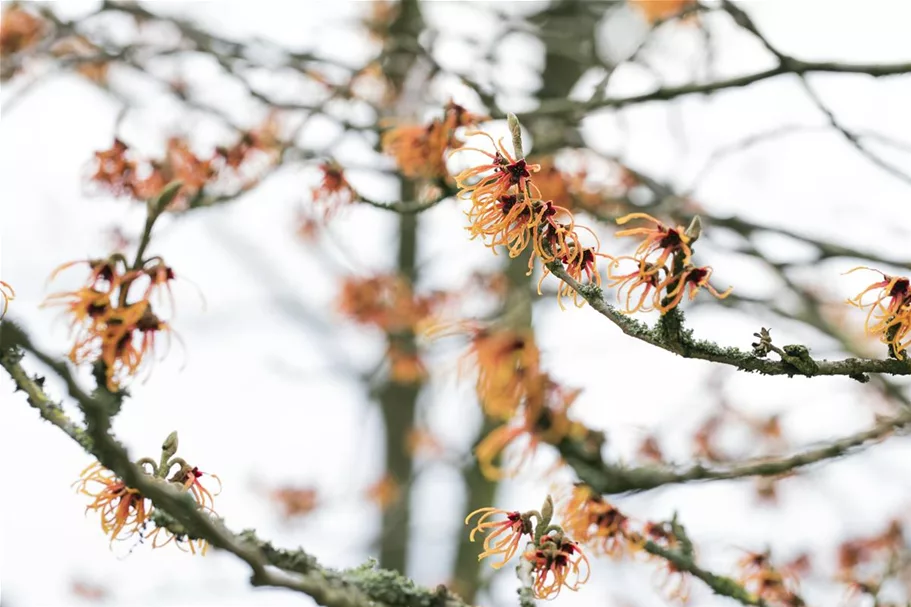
x=607 y=478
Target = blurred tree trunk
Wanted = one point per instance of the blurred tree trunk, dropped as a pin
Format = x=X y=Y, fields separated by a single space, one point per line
x=399 y=401
x=569 y=51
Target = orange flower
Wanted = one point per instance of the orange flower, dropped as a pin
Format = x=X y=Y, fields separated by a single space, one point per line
x=511 y=529
x=420 y=151
x=109 y=327
x=504 y=360
x=578 y=262
x=123 y=510
x=334 y=191
x=296 y=501
x=889 y=315
x=7 y=294
x=405 y=367
x=116 y=171
x=384 y=492
x=656 y=10
x=386 y=301
x=557 y=562
x=19 y=30
x=188 y=476
x=646 y=277
x=691 y=278
x=660 y=240
x=543 y=419
x=592 y=520
x=502 y=175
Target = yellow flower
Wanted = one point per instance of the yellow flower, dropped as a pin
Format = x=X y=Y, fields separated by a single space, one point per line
x=123 y=510
x=889 y=315
x=557 y=562
x=511 y=529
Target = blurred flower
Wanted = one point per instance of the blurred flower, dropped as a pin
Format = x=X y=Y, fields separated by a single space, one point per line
x=592 y=520
x=889 y=315
x=504 y=359
x=115 y=170
x=296 y=501
x=511 y=529
x=87 y=591
x=656 y=10
x=86 y=57
x=386 y=301
x=405 y=367
x=334 y=191
x=766 y=582
x=544 y=418
x=557 y=561
x=419 y=150
x=384 y=492
x=423 y=442
x=19 y=29
x=123 y=510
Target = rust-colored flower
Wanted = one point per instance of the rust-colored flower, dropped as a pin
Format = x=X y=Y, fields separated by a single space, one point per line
x=690 y=280
x=594 y=521
x=544 y=418
x=657 y=10
x=504 y=536
x=419 y=150
x=486 y=183
x=19 y=29
x=296 y=501
x=384 y=493
x=7 y=294
x=334 y=192
x=123 y=510
x=776 y=586
x=580 y=264
x=659 y=240
x=188 y=477
x=111 y=323
x=405 y=367
x=505 y=360
x=889 y=314
x=116 y=170
x=640 y=286
x=386 y=301
x=557 y=561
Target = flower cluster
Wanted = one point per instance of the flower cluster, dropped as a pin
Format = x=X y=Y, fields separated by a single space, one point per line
x=866 y=562
x=770 y=584
x=122 y=173
x=333 y=192
x=420 y=150
x=663 y=271
x=112 y=314
x=389 y=303
x=556 y=560
x=19 y=30
x=594 y=521
x=543 y=418
x=125 y=512
x=507 y=210
x=889 y=314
